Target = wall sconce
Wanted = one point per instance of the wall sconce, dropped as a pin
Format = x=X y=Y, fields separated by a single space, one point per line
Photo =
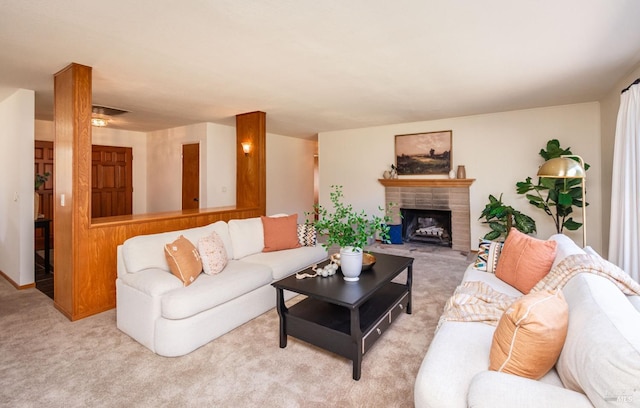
x=246 y=148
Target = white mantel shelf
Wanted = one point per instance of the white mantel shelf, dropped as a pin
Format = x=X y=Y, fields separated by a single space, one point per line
x=446 y=183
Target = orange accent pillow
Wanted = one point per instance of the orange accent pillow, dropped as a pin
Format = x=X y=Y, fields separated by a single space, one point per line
x=183 y=259
x=525 y=260
x=530 y=335
x=280 y=232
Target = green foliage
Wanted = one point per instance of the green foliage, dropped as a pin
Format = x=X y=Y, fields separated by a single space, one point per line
x=556 y=197
x=501 y=218
x=40 y=179
x=345 y=226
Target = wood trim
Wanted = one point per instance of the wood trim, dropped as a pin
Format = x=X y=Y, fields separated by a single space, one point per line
x=444 y=183
x=15 y=285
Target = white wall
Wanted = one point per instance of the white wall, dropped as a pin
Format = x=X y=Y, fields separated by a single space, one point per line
x=164 y=166
x=497 y=150
x=221 y=166
x=290 y=164
x=16 y=194
x=609 y=106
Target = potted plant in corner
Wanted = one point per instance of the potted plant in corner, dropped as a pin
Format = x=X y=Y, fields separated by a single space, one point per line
x=350 y=230
x=501 y=217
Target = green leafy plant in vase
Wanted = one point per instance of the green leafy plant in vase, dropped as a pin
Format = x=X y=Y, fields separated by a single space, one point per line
x=39 y=181
x=349 y=229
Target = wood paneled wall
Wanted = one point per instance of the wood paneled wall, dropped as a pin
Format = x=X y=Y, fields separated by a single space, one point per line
x=85 y=257
x=251 y=172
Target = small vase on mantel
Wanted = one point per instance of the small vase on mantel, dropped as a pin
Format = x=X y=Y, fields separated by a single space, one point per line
x=452 y=174
x=462 y=173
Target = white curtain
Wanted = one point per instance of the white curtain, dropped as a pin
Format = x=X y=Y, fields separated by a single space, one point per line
x=624 y=244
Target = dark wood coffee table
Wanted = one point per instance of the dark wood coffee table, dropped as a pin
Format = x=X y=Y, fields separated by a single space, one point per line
x=346 y=318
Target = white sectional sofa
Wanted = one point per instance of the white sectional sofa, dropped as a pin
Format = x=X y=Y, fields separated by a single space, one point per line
x=599 y=364
x=155 y=309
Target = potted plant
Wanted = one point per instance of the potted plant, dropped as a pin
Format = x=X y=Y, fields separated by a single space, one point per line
x=556 y=197
x=350 y=230
x=40 y=179
x=502 y=217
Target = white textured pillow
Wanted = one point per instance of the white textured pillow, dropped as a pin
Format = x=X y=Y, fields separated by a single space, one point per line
x=247 y=236
x=601 y=355
x=212 y=253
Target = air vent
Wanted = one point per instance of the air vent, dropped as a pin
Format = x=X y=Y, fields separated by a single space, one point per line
x=103 y=110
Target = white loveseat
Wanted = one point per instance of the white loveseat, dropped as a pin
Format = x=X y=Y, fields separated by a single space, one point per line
x=155 y=309
x=599 y=364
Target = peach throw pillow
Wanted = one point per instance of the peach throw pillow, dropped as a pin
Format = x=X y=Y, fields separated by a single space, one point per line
x=530 y=335
x=280 y=232
x=525 y=260
x=183 y=259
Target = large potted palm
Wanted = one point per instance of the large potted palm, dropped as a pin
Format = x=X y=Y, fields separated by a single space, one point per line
x=350 y=230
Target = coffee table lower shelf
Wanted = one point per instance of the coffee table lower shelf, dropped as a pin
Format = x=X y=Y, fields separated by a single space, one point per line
x=347 y=332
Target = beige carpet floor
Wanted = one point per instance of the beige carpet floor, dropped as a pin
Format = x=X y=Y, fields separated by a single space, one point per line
x=48 y=361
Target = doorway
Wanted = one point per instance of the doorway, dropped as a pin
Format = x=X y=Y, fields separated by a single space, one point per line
x=191 y=176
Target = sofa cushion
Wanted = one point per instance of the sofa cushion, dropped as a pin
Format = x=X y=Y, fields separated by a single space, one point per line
x=530 y=335
x=152 y=281
x=488 y=255
x=147 y=251
x=183 y=259
x=247 y=236
x=208 y=291
x=213 y=253
x=286 y=262
x=280 y=232
x=307 y=235
x=525 y=260
x=601 y=356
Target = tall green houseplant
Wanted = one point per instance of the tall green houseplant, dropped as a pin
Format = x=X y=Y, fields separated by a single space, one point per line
x=556 y=197
x=501 y=217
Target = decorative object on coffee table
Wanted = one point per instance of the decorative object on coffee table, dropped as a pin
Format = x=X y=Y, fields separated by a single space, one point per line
x=350 y=230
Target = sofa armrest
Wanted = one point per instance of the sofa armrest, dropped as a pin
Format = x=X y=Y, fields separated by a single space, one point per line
x=492 y=389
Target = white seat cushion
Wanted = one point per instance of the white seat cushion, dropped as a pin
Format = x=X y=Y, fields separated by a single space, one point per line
x=288 y=261
x=208 y=291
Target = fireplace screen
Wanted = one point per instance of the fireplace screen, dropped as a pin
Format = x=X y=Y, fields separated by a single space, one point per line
x=427 y=226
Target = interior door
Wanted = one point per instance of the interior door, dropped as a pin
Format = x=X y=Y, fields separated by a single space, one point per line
x=43 y=163
x=111 y=181
x=191 y=176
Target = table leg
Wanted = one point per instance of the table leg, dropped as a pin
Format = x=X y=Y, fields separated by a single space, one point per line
x=282 y=309
x=47 y=265
x=356 y=335
x=409 y=284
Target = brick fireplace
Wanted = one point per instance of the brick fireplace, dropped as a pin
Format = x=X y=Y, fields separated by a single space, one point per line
x=434 y=194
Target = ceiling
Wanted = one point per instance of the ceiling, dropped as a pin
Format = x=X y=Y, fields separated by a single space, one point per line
x=316 y=66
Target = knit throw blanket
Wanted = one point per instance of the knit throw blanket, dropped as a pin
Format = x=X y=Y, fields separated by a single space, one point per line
x=478 y=302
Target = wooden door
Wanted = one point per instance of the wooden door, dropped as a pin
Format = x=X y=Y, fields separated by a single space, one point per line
x=191 y=176
x=111 y=181
x=43 y=163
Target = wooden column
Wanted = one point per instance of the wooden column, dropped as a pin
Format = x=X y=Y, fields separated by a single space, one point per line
x=72 y=121
x=251 y=169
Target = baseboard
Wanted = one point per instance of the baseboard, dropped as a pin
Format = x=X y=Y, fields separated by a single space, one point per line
x=15 y=285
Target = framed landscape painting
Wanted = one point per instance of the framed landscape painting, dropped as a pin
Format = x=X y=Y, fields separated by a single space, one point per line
x=424 y=153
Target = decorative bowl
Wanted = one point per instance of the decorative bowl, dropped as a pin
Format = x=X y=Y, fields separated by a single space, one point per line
x=368 y=260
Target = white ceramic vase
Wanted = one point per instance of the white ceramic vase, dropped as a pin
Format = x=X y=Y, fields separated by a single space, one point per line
x=351 y=263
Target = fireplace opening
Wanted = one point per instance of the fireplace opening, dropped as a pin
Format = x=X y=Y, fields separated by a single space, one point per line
x=426 y=226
